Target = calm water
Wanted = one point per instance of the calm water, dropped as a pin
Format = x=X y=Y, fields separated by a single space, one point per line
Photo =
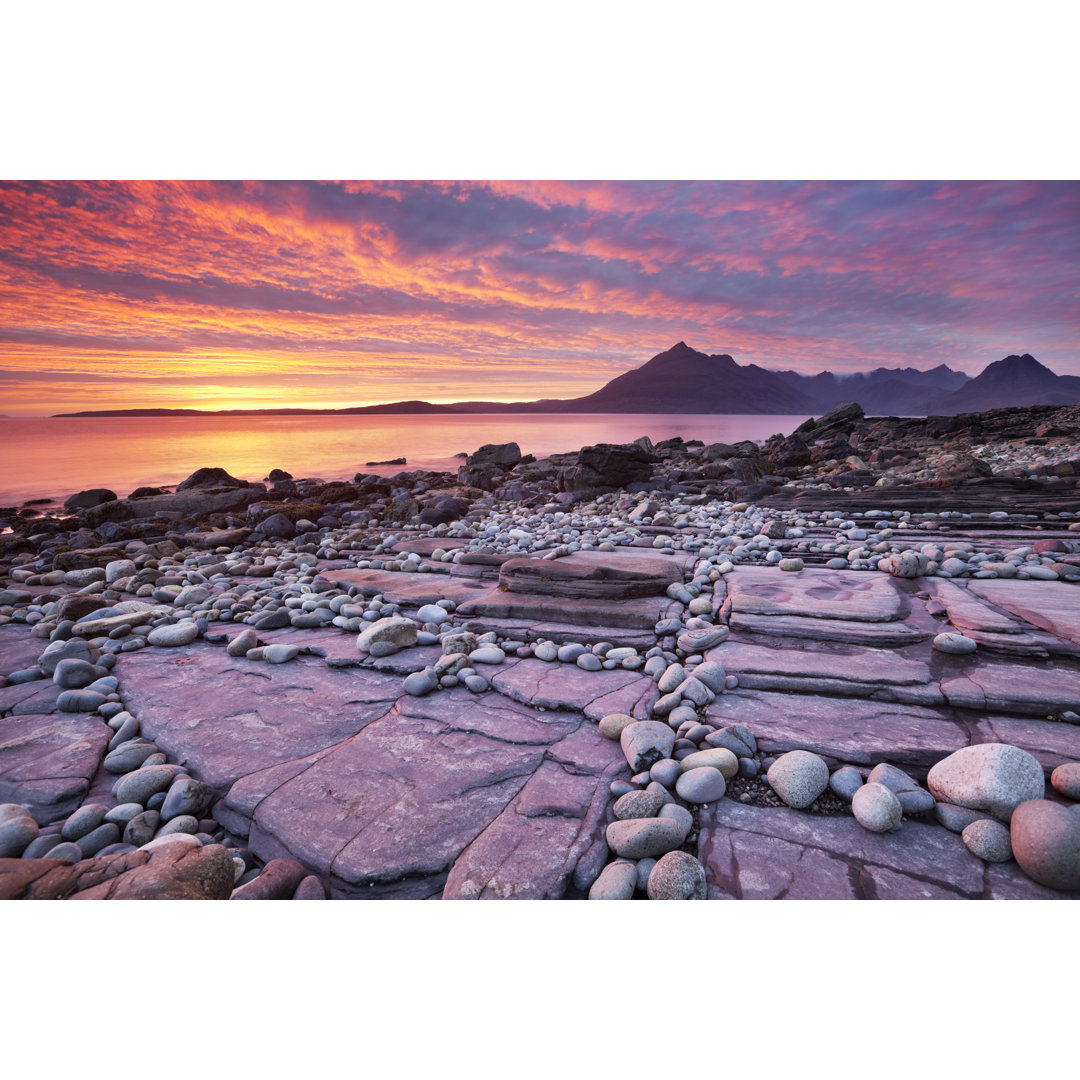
x=53 y=458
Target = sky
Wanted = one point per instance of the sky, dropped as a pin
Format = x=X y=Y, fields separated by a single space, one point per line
x=334 y=294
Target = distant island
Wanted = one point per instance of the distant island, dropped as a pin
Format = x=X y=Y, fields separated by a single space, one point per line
x=392 y=407
x=683 y=380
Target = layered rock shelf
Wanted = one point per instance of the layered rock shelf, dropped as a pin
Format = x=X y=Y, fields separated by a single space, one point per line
x=425 y=688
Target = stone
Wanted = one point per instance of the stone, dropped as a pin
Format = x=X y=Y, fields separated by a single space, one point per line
x=717 y=757
x=994 y=777
x=845 y=782
x=957 y=818
x=896 y=780
x=677 y=876
x=243 y=643
x=617 y=881
x=666 y=772
x=432 y=613
x=16 y=834
x=140 y=785
x=712 y=674
x=174 y=635
x=187 y=797
x=637 y=804
x=395 y=632
x=613 y=725
x=645 y=742
x=642 y=838
x=73 y=674
x=956 y=644
x=1046 y=843
x=127 y=757
x=85 y=820
x=798 y=777
x=988 y=840
x=702 y=785
x=311 y=888
x=101 y=837
x=280 y=653
x=420 y=683
x=876 y=808
x=1065 y=780
x=140 y=828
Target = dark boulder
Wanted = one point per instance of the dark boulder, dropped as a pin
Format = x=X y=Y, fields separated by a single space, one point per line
x=506 y=455
x=202 y=479
x=607 y=467
x=92 y=497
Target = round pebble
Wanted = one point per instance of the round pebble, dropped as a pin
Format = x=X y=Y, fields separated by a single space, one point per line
x=876 y=808
x=988 y=840
x=798 y=777
x=677 y=876
x=702 y=785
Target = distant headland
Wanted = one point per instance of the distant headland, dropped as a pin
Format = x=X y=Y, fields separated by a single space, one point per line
x=683 y=380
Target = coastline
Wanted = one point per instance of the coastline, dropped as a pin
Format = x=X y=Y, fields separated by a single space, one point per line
x=843 y=609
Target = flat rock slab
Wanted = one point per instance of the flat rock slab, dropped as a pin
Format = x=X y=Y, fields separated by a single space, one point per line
x=563 y=686
x=47 y=762
x=1029 y=690
x=530 y=630
x=1050 y=605
x=869 y=667
x=851 y=729
x=412 y=590
x=39 y=696
x=19 y=649
x=966 y=611
x=227 y=717
x=1051 y=744
x=615 y=575
x=389 y=811
x=754 y=853
x=639 y=614
x=844 y=631
x=822 y=594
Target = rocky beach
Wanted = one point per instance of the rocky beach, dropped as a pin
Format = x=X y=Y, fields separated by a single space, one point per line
x=838 y=664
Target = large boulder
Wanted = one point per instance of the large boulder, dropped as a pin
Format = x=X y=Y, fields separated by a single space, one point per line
x=81 y=500
x=607 y=467
x=205 y=479
x=505 y=455
x=993 y=777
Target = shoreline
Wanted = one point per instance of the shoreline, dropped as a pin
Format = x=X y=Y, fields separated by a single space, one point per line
x=487 y=683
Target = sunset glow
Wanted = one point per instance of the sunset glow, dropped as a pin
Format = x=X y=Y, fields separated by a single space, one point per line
x=250 y=295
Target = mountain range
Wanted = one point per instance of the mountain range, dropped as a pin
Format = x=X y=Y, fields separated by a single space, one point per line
x=683 y=380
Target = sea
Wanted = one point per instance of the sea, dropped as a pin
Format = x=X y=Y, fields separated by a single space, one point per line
x=54 y=457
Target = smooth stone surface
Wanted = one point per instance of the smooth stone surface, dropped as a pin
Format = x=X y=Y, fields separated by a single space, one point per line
x=645 y=837
x=955 y=644
x=1046 y=843
x=280 y=653
x=994 y=777
x=988 y=840
x=677 y=876
x=666 y=772
x=702 y=785
x=16 y=834
x=717 y=757
x=85 y=820
x=798 y=777
x=140 y=785
x=168 y=637
x=394 y=632
x=613 y=725
x=1066 y=780
x=876 y=808
x=617 y=881
x=845 y=782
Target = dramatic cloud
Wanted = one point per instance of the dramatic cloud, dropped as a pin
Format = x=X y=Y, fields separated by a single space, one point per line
x=203 y=294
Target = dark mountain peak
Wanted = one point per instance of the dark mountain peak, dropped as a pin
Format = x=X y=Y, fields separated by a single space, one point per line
x=1027 y=362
